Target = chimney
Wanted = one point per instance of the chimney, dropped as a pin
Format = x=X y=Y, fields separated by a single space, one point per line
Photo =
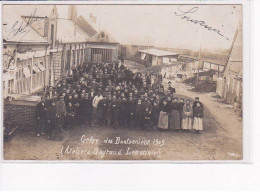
x=72 y=13
x=92 y=18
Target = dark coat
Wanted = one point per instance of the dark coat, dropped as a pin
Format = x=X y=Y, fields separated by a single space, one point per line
x=51 y=113
x=198 y=112
x=41 y=110
x=86 y=106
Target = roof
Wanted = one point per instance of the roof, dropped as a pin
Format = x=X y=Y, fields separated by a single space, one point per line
x=217 y=62
x=157 y=52
x=211 y=72
x=235 y=62
x=82 y=22
x=69 y=32
x=106 y=39
x=12 y=22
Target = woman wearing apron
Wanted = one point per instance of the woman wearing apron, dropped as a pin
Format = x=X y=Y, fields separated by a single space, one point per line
x=163 y=117
x=187 y=116
x=174 y=118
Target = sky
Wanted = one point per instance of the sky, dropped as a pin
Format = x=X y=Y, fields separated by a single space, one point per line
x=163 y=25
x=158 y=25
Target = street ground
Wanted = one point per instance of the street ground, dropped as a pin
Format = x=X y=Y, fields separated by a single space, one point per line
x=221 y=139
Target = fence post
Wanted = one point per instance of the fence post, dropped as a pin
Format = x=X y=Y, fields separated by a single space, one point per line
x=31 y=84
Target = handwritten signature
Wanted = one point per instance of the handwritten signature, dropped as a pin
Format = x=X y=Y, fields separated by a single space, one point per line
x=184 y=15
x=21 y=27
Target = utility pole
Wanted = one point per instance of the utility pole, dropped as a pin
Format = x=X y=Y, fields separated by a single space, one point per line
x=197 y=80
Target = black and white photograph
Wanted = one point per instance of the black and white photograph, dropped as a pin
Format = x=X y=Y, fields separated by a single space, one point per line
x=121 y=82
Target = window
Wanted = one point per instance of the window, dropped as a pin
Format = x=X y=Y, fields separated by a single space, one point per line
x=10 y=86
x=26 y=72
x=19 y=73
x=4 y=86
x=35 y=68
x=41 y=66
x=52 y=36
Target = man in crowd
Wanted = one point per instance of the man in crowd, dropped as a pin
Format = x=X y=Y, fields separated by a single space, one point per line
x=51 y=120
x=61 y=113
x=95 y=103
x=109 y=95
x=41 y=113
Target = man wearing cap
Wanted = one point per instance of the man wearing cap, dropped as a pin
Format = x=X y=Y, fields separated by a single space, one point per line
x=41 y=112
x=95 y=102
x=86 y=109
x=50 y=92
x=102 y=106
x=61 y=113
x=76 y=104
x=124 y=112
x=139 y=115
x=51 y=120
x=115 y=112
x=147 y=110
x=132 y=108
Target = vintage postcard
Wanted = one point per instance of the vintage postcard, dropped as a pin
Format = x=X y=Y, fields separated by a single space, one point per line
x=115 y=82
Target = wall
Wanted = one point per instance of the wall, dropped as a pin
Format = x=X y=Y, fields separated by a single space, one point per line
x=17 y=59
x=113 y=47
x=170 y=70
x=20 y=113
x=230 y=89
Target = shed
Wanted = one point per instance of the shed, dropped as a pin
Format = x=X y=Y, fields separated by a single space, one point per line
x=158 y=57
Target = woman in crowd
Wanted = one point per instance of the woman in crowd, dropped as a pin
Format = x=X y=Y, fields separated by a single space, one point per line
x=163 y=117
x=198 y=117
x=174 y=119
x=187 y=116
x=107 y=92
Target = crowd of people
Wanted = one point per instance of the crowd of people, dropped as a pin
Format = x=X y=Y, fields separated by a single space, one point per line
x=111 y=95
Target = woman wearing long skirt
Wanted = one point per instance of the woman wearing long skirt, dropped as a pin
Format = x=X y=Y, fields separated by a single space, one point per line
x=187 y=116
x=198 y=117
x=163 y=117
x=174 y=118
x=181 y=104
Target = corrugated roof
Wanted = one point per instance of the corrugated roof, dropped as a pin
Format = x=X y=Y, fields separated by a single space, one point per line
x=157 y=52
x=69 y=32
x=82 y=22
x=15 y=28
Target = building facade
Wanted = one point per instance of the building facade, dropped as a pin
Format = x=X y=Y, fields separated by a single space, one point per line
x=230 y=86
x=47 y=47
x=158 y=57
